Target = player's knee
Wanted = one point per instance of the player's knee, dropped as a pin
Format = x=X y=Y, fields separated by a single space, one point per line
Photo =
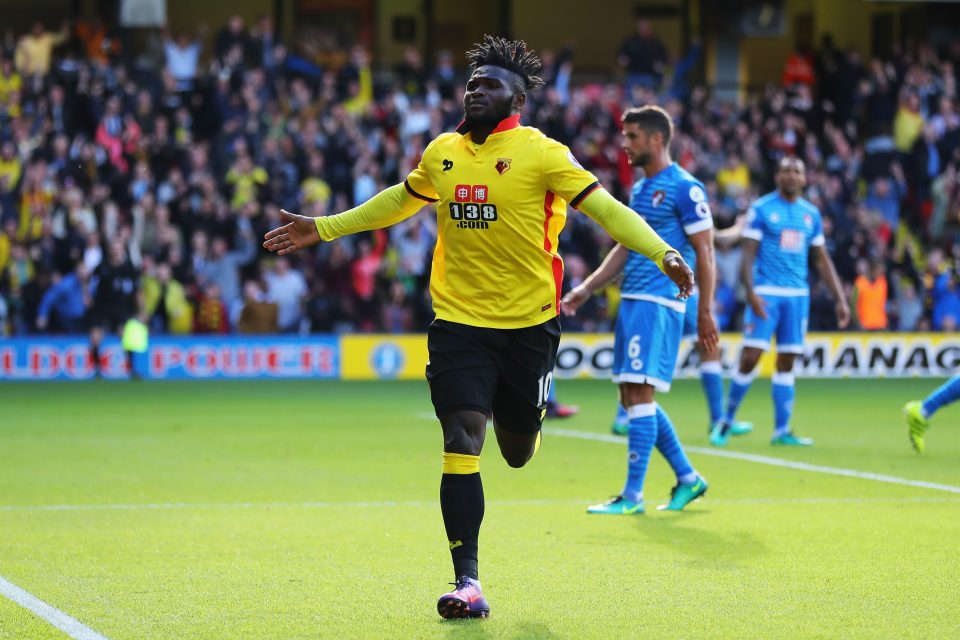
x=517 y=460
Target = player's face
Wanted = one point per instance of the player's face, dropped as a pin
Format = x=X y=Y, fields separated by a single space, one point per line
x=489 y=96
x=637 y=144
x=791 y=176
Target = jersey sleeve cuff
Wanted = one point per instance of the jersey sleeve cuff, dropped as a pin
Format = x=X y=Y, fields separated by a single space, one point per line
x=697 y=227
x=575 y=203
x=818 y=241
x=417 y=195
x=753 y=234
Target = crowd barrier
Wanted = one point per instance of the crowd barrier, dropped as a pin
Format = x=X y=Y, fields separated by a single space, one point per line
x=403 y=357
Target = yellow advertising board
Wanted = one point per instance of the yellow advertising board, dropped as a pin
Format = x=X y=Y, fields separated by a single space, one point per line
x=383 y=357
x=589 y=355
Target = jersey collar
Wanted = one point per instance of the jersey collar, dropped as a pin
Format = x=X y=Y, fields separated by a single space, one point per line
x=505 y=125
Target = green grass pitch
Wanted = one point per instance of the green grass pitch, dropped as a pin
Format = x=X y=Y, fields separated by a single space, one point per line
x=279 y=509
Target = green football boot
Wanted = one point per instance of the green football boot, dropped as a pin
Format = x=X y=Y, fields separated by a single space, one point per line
x=620 y=428
x=617 y=506
x=917 y=425
x=683 y=494
x=788 y=439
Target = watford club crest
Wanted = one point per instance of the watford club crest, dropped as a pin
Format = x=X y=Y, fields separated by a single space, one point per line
x=503 y=165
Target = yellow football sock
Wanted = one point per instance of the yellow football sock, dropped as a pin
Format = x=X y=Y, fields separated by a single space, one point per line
x=460 y=463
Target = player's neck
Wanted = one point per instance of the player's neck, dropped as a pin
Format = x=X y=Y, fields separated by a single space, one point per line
x=481 y=132
x=656 y=165
x=789 y=198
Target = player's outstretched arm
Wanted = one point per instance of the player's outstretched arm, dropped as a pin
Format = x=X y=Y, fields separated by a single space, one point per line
x=609 y=269
x=388 y=207
x=829 y=273
x=632 y=231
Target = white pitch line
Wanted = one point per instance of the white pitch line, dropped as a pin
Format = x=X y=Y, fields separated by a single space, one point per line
x=70 y=626
x=773 y=462
x=432 y=503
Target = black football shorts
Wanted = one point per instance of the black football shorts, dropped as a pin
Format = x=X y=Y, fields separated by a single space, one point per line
x=503 y=372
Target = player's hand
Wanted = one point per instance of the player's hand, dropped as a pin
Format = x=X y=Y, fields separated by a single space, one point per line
x=681 y=274
x=574 y=299
x=843 y=313
x=758 y=305
x=300 y=232
x=707 y=331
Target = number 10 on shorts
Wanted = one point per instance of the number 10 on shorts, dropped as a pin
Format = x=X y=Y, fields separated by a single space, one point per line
x=545 y=382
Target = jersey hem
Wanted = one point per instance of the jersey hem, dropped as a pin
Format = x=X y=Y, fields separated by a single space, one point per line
x=675 y=305
x=787 y=292
x=637 y=378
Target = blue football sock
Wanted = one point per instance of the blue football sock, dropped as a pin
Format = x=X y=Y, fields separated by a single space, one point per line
x=739 y=384
x=712 y=383
x=668 y=444
x=640 y=441
x=621 y=415
x=783 y=394
x=945 y=394
x=552 y=394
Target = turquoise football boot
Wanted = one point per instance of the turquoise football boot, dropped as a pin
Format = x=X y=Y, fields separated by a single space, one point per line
x=740 y=428
x=683 y=494
x=788 y=439
x=617 y=506
x=720 y=434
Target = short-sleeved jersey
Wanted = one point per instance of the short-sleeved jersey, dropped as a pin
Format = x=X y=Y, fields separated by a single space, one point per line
x=500 y=208
x=785 y=230
x=674 y=203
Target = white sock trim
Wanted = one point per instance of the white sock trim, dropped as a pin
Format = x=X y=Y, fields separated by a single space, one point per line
x=644 y=410
x=711 y=367
x=743 y=378
x=783 y=378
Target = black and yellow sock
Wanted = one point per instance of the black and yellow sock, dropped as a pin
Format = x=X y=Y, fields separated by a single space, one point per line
x=461 y=502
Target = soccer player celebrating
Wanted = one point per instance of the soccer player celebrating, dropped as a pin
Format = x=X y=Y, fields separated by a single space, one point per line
x=918 y=413
x=650 y=323
x=502 y=193
x=782 y=228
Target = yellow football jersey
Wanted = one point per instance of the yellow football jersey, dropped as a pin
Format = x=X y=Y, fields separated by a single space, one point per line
x=500 y=208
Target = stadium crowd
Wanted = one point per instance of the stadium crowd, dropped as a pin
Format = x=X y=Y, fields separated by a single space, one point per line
x=169 y=163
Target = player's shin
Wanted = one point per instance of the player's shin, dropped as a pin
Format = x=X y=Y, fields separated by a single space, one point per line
x=640 y=443
x=712 y=382
x=783 y=394
x=668 y=444
x=462 y=505
x=739 y=385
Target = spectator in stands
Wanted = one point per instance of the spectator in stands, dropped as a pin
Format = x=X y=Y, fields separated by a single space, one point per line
x=211 y=316
x=643 y=57
x=183 y=58
x=165 y=303
x=909 y=307
x=288 y=289
x=870 y=297
x=65 y=305
x=35 y=49
x=946 y=302
x=222 y=267
x=257 y=314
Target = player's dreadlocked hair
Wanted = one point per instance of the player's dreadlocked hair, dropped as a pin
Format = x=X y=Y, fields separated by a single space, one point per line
x=511 y=55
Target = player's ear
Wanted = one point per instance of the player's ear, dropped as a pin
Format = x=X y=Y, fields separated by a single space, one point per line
x=519 y=99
